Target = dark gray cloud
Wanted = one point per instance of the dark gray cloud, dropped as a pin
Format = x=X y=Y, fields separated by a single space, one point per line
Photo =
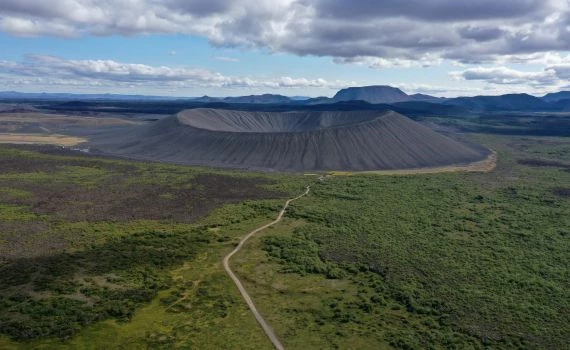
x=40 y=9
x=432 y=10
x=480 y=33
x=562 y=71
x=460 y=30
x=200 y=7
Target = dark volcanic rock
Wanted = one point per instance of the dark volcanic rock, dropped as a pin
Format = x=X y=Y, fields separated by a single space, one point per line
x=293 y=141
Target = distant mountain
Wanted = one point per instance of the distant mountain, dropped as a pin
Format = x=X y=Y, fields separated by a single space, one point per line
x=265 y=98
x=14 y=95
x=251 y=99
x=562 y=105
x=317 y=101
x=509 y=102
x=207 y=99
x=357 y=97
x=379 y=94
x=424 y=97
x=556 y=96
x=372 y=94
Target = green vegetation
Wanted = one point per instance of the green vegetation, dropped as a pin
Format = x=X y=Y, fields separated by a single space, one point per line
x=442 y=261
x=128 y=254
x=70 y=290
x=87 y=241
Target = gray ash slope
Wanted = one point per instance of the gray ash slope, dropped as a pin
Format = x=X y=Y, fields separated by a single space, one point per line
x=292 y=141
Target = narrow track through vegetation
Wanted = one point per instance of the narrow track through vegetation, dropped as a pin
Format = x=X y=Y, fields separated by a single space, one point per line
x=266 y=328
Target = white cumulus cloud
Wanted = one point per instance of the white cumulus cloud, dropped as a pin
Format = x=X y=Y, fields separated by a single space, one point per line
x=53 y=70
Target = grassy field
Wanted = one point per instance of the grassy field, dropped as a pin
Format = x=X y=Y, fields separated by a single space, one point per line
x=120 y=253
x=425 y=261
x=126 y=254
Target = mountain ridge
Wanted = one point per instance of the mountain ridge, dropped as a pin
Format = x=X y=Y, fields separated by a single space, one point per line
x=373 y=94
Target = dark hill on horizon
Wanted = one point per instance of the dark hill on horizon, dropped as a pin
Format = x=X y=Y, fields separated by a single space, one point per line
x=251 y=99
x=556 y=96
x=381 y=95
x=292 y=141
x=372 y=94
x=508 y=102
x=265 y=98
x=424 y=97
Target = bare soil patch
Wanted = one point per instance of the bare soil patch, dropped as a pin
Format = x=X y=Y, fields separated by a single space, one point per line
x=53 y=139
x=61 y=119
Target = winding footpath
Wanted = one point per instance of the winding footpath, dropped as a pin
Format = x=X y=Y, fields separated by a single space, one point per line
x=266 y=328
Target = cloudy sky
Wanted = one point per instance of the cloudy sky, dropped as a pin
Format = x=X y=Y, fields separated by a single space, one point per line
x=291 y=47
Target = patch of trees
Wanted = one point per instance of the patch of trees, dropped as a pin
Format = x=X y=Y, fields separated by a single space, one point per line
x=67 y=292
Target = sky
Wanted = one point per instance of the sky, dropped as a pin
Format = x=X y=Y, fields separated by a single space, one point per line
x=291 y=47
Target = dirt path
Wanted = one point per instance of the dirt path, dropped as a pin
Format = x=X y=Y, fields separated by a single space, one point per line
x=268 y=330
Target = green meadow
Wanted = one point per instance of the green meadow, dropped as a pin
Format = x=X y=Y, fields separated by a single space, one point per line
x=105 y=253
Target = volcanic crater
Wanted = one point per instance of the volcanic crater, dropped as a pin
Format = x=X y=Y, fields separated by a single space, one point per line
x=293 y=141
